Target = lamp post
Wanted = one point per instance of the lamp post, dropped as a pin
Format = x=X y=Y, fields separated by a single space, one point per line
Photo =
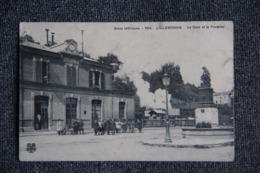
x=166 y=83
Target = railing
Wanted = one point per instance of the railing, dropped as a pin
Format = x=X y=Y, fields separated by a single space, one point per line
x=161 y=123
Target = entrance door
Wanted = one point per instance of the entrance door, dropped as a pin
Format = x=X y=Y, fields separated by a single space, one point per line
x=71 y=111
x=96 y=111
x=41 y=112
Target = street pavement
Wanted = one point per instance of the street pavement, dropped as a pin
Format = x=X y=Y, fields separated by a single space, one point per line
x=119 y=147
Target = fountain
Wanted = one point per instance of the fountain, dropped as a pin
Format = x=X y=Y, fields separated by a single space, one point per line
x=206 y=114
x=207 y=132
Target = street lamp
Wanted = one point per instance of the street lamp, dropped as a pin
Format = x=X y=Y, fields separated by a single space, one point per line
x=166 y=83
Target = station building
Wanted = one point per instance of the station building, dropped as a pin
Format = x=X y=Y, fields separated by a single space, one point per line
x=59 y=83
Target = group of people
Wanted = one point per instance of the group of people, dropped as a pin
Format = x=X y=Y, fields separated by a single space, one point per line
x=114 y=126
x=100 y=127
x=77 y=126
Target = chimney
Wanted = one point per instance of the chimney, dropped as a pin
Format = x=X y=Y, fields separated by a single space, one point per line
x=52 y=38
x=47 y=35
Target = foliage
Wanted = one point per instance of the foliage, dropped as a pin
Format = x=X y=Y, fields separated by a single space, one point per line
x=124 y=83
x=225 y=114
x=225 y=110
x=177 y=88
x=203 y=125
x=109 y=59
x=155 y=78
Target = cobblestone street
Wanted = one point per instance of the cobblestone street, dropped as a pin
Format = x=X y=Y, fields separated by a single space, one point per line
x=119 y=147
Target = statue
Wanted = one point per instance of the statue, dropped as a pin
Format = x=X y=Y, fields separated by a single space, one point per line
x=205 y=78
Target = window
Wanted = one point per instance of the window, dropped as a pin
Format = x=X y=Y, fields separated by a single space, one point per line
x=102 y=81
x=91 y=79
x=96 y=80
x=42 y=71
x=96 y=77
x=121 y=110
x=71 y=75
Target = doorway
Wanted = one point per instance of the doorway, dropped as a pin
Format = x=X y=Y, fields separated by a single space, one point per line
x=96 y=111
x=41 y=112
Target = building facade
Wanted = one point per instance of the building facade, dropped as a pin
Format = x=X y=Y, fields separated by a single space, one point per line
x=222 y=98
x=65 y=85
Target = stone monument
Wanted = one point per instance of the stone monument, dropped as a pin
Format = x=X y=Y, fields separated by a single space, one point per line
x=207 y=111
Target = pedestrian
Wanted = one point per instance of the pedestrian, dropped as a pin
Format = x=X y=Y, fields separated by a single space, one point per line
x=113 y=127
x=124 y=127
x=59 y=127
x=118 y=126
x=96 y=127
x=75 y=126
x=39 y=121
x=108 y=124
x=81 y=124
x=103 y=127
x=139 y=126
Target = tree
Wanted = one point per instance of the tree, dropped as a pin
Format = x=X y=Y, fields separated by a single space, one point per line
x=186 y=93
x=155 y=79
x=109 y=59
x=124 y=83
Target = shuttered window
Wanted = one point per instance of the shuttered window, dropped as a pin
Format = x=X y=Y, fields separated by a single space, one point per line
x=91 y=79
x=45 y=72
x=71 y=76
x=38 y=71
x=97 y=83
x=96 y=79
x=42 y=71
x=102 y=81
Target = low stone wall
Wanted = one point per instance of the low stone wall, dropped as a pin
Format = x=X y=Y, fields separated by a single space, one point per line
x=208 y=132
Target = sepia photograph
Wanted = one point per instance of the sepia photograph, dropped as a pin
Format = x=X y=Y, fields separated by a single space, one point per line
x=126 y=91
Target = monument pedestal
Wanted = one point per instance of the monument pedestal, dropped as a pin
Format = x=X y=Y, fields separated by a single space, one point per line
x=207 y=111
x=207 y=115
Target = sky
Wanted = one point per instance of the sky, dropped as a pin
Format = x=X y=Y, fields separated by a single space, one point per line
x=191 y=45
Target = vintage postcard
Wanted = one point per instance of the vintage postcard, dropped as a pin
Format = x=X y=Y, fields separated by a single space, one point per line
x=146 y=91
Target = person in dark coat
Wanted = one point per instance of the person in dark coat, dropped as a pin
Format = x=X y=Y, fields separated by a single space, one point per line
x=81 y=124
x=75 y=126
x=96 y=125
x=139 y=126
x=113 y=127
x=103 y=127
x=108 y=125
